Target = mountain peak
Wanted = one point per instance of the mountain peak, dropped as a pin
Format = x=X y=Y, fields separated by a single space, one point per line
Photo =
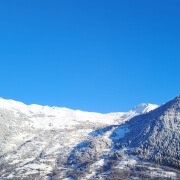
x=144 y=108
x=151 y=134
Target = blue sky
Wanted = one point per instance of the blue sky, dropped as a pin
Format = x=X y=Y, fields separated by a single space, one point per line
x=97 y=55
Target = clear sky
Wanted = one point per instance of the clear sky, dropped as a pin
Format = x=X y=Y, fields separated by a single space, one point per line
x=93 y=55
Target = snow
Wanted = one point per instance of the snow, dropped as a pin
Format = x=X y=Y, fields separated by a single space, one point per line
x=39 y=135
x=36 y=166
x=119 y=132
x=67 y=178
x=99 y=163
x=14 y=162
x=45 y=116
x=162 y=173
x=94 y=167
x=53 y=150
x=127 y=161
x=144 y=108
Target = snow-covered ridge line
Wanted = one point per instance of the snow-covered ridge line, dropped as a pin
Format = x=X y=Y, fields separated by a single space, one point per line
x=38 y=140
x=144 y=108
x=43 y=116
x=10 y=104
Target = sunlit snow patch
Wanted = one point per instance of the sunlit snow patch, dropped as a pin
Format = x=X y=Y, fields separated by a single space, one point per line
x=119 y=132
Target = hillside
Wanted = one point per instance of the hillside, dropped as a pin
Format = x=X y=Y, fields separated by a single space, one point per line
x=155 y=136
x=35 y=140
x=52 y=143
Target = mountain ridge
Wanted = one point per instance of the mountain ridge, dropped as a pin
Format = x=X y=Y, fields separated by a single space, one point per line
x=155 y=135
x=54 y=143
x=143 y=107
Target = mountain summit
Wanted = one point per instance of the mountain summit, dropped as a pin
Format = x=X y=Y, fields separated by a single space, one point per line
x=155 y=136
x=144 y=108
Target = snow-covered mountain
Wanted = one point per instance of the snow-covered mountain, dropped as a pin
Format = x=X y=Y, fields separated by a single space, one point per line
x=42 y=142
x=42 y=116
x=156 y=135
x=140 y=148
x=144 y=108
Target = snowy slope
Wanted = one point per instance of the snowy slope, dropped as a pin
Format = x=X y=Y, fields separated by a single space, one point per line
x=42 y=116
x=144 y=108
x=37 y=140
